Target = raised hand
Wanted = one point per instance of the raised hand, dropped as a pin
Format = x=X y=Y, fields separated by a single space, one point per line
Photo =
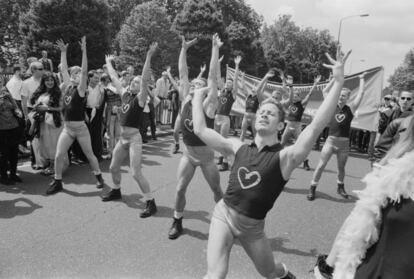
x=221 y=59
x=337 y=65
x=61 y=45
x=237 y=60
x=217 y=41
x=152 y=48
x=109 y=57
x=270 y=73
x=317 y=79
x=186 y=44
x=168 y=70
x=82 y=44
x=203 y=68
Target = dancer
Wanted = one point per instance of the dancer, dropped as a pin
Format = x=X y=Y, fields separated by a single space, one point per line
x=376 y=240
x=74 y=105
x=338 y=139
x=226 y=98
x=196 y=152
x=133 y=102
x=293 y=119
x=258 y=176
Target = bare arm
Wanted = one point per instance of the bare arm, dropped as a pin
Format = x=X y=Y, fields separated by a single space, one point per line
x=183 y=69
x=210 y=103
x=143 y=92
x=306 y=99
x=84 y=71
x=51 y=65
x=210 y=137
x=237 y=61
x=113 y=74
x=172 y=80
x=220 y=83
x=355 y=104
x=260 y=88
x=295 y=154
x=328 y=87
x=64 y=63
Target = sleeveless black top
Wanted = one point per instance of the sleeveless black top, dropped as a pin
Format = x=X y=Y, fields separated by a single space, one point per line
x=392 y=257
x=340 y=124
x=255 y=180
x=252 y=103
x=189 y=138
x=73 y=105
x=295 y=112
x=131 y=112
x=225 y=102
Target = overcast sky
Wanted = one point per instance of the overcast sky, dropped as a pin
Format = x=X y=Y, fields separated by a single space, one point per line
x=382 y=39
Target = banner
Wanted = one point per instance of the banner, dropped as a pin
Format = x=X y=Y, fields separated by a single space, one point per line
x=366 y=116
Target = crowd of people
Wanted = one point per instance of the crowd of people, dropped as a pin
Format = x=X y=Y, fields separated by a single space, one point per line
x=78 y=112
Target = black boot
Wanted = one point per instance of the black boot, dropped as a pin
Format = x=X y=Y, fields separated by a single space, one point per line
x=149 y=210
x=100 y=182
x=4 y=179
x=176 y=148
x=224 y=166
x=341 y=191
x=323 y=268
x=311 y=195
x=176 y=229
x=220 y=160
x=306 y=165
x=111 y=195
x=55 y=187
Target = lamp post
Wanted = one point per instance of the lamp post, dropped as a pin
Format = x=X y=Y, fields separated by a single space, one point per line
x=347 y=17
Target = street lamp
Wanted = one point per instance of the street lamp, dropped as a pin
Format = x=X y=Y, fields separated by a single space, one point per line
x=342 y=19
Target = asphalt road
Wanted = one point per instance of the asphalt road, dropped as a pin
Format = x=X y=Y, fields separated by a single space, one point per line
x=73 y=234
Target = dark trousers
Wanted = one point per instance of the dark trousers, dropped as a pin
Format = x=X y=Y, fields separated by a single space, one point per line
x=95 y=130
x=174 y=117
x=148 y=120
x=9 y=143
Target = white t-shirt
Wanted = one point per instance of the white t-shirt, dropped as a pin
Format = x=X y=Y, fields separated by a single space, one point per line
x=29 y=87
x=14 y=86
x=161 y=88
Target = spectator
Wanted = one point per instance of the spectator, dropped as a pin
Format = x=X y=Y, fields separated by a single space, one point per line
x=405 y=102
x=161 y=91
x=384 y=111
x=46 y=62
x=9 y=136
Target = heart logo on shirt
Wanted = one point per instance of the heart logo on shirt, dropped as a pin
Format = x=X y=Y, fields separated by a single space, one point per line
x=68 y=99
x=248 y=179
x=223 y=100
x=293 y=109
x=189 y=125
x=125 y=108
x=340 y=117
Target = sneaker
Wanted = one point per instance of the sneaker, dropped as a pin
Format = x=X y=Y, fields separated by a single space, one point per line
x=149 y=210
x=55 y=187
x=220 y=160
x=341 y=191
x=224 y=167
x=306 y=165
x=311 y=195
x=176 y=148
x=176 y=229
x=6 y=180
x=15 y=178
x=100 y=182
x=111 y=195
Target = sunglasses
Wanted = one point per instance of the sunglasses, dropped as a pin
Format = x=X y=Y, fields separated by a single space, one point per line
x=39 y=69
x=405 y=98
x=387 y=99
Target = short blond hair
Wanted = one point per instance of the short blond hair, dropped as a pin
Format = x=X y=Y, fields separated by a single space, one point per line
x=281 y=111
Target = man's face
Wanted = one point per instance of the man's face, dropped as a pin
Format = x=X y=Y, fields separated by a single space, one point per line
x=406 y=100
x=130 y=70
x=38 y=71
x=296 y=97
x=267 y=119
x=94 y=80
x=277 y=95
x=44 y=54
x=229 y=84
x=196 y=84
x=343 y=96
x=135 y=84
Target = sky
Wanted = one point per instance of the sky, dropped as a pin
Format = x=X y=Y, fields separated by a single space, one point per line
x=381 y=39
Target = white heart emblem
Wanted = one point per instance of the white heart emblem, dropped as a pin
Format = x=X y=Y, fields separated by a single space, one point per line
x=68 y=99
x=223 y=100
x=247 y=182
x=293 y=109
x=340 y=117
x=125 y=108
x=189 y=125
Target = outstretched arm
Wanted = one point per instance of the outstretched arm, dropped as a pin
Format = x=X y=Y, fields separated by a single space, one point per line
x=306 y=99
x=145 y=76
x=295 y=154
x=172 y=80
x=84 y=70
x=64 y=63
x=183 y=69
x=210 y=137
x=260 y=88
x=210 y=103
x=236 y=76
x=355 y=104
x=328 y=87
x=113 y=74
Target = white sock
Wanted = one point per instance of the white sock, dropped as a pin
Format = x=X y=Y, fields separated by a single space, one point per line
x=178 y=215
x=314 y=183
x=339 y=182
x=115 y=187
x=147 y=196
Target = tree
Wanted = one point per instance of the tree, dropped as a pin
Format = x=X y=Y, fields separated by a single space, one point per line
x=403 y=76
x=148 y=23
x=299 y=52
x=50 y=20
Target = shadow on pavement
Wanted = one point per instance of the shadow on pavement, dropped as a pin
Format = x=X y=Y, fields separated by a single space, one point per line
x=320 y=195
x=277 y=244
x=11 y=208
x=33 y=184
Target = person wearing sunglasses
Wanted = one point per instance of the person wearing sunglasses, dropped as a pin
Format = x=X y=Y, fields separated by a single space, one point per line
x=405 y=102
